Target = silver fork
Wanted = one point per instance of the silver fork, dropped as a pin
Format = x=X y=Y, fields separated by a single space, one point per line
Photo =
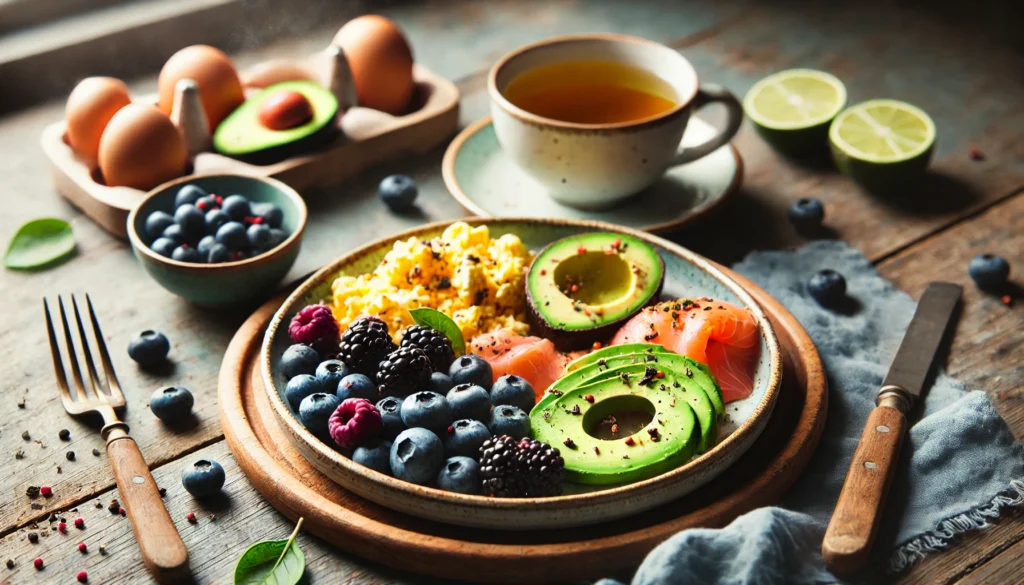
x=163 y=552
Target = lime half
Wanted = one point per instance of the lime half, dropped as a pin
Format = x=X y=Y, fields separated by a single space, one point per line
x=882 y=143
x=792 y=109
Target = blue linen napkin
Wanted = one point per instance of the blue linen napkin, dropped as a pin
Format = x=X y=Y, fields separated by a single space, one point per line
x=959 y=467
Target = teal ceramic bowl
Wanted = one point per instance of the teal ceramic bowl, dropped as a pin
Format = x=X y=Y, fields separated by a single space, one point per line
x=226 y=283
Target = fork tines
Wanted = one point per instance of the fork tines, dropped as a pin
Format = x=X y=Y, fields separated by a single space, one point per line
x=75 y=402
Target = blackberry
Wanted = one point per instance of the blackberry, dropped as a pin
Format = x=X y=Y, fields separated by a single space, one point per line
x=365 y=344
x=403 y=372
x=498 y=457
x=436 y=345
x=541 y=469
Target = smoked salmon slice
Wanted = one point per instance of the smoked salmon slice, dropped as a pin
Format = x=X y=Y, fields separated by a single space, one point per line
x=534 y=359
x=722 y=335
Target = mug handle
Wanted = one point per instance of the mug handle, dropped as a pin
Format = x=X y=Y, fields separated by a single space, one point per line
x=707 y=94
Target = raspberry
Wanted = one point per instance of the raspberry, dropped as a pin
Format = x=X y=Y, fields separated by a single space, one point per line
x=356 y=422
x=82 y=548
x=315 y=326
x=79 y=523
x=82 y=577
x=38 y=563
x=46 y=490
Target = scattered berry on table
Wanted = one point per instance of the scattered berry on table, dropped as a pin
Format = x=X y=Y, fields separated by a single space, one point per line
x=70 y=455
x=315 y=326
x=149 y=348
x=205 y=244
x=541 y=467
x=470 y=401
x=33 y=537
x=806 y=214
x=398 y=192
x=465 y=437
x=62 y=527
x=461 y=475
x=46 y=491
x=191 y=220
x=189 y=194
x=365 y=344
x=82 y=547
x=355 y=422
x=403 y=371
x=156 y=223
x=356 y=386
x=186 y=253
x=203 y=478
x=498 y=473
x=64 y=435
x=390 y=409
x=164 y=246
x=237 y=207
x=377 y=457
x=172 y=404
x=509 y=420
x=38 y=564
x=417 y=456
x=82 y=577
x=214 y=219
x=514 y=390
x=315 y=411
x=191 y=517
x=331 y=373
x=299 y=359
x=440 y=383
x=218 y=253
x=827 y=287
x=96 y=453
x=232 y=234
x=259 y=237
x=271 y=214
x=975 y=153
x=10 y=563
x=435 y=344
x=989 y=271
x=299 y=387
x=471 y=369
x=429 y=410
x=174 y=233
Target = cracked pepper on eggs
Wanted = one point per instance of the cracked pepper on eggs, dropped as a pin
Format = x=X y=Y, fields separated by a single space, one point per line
x=469 y=276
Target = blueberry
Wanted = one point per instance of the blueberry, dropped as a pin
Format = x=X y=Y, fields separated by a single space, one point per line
x=509 y=420
x=214 y=219
x=513 y=390
x=186 y=253
x=237 y=207
x=989 y=271
x=271 y=214
x=205 y=244
x=315 y=410
x=417 y=456
x=806 y=214
x=469 y=401
x=208 y=203
x=299 y=359
x=440 y=383
x=203 y=479
x=300 y=387
x=377 y=458
x=156 y=223
x=356 y=386
x=172 y=404
x=188 y=195
x=461 y=475
x=191 y=220
x=471 y=369
x=429 y=410
x=149 y=348
x=277 y=237
x=258 y=236
x=232 y=235
x=391 y=415
x=397 y=192
x=164 y=246
x=465 y=438
x=828 y=287
x=218 y=253
x=330 y=373
x=175 y=234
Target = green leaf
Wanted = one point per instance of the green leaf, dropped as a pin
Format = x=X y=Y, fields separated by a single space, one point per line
x=40 y=243
x=437 y=320
x=275 y=562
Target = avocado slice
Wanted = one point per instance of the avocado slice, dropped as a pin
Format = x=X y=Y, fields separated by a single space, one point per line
x=582 y=288
x=242 y=135
x=669 y=436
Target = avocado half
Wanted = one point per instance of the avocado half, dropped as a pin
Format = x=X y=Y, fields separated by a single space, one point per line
x=242 y=136
x=581 y=289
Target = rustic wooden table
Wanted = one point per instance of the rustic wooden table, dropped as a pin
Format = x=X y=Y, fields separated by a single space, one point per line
x=961 y=63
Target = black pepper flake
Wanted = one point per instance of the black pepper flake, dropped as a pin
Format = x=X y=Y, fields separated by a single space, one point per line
x=625 y=456
x=98 y=504
x=25 y=436
x=480 y=296
x=70 y=455
x=576 y=409
x=569 y=443
x=556 y=392
x=60 y=469
x=64 y=434
x=21 y=402
x=707 y=308
x=624 y=378
x=597 y=451
x=649 y=375
x=37 y=506
x=19 y=453
x=445 y=283
x=163 y=492
x=601 y=362
x=96 y=452
x=472 y=258
x=689 y=372
x=33 y=537
x=32 y=491
x=653 y=432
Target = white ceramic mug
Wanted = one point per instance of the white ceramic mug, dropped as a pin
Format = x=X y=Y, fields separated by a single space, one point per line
x=594 y=166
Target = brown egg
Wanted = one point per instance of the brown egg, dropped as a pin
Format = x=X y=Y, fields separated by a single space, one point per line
x=276 y=71
x=381 y=62
x=220 y=90
x=141 y=148
x=91 y=105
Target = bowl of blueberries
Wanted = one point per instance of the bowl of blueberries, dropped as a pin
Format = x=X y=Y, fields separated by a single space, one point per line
x=218 y=239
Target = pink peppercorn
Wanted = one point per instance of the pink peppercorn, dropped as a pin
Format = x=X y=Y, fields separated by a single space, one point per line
x=82 y=577
x=79 y=523
x=82 y=548
x=191 y=517
x=46 y=491
x=63 y=527
x=38 y=564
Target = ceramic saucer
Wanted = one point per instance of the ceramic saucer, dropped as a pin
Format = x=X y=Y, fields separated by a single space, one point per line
x=489 y=184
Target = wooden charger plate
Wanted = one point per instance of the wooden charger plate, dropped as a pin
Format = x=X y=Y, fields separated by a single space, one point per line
x=293 y=486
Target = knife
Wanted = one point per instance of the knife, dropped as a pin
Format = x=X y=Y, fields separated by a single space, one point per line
x=855 y=520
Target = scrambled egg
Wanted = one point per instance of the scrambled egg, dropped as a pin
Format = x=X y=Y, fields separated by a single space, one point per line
x=474 y=279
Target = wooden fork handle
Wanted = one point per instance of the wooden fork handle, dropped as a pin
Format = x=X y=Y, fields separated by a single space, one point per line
x=851 y=531
x=162 y=549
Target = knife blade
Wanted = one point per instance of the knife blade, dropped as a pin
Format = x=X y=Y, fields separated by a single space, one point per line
x=851 y=531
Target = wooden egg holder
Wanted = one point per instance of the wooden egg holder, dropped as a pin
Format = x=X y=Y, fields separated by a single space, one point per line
x=367 y=137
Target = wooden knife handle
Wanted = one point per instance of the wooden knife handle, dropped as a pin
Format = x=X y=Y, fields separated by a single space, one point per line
x=852 y=529
x=163 y=552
